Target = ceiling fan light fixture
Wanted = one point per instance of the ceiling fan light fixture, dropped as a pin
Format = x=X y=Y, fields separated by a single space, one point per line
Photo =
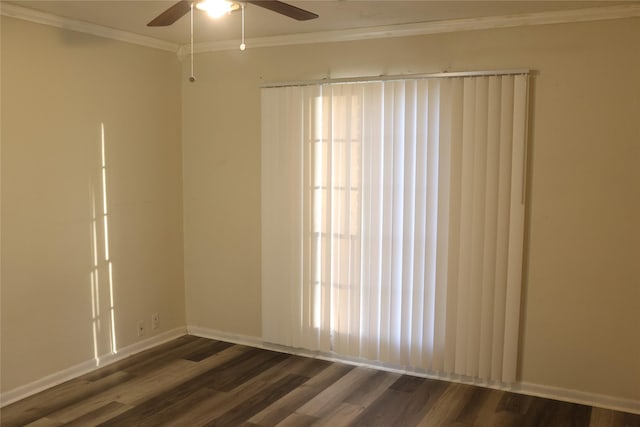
x=217 y=8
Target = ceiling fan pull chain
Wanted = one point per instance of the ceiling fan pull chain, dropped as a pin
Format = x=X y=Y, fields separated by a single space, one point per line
x=192 y=78
x=242 y=45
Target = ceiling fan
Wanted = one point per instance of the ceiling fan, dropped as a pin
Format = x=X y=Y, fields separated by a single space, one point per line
x=219 y=7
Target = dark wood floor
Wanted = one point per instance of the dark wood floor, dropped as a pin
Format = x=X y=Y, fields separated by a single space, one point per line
x=195 y=381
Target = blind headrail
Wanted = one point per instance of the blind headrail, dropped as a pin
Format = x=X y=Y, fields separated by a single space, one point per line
x=383 y=78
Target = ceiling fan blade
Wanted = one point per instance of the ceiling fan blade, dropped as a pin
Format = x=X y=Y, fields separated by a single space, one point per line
x=171 y=15
x=285 y=9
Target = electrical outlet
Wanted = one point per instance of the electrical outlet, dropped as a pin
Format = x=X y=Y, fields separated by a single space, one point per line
x=155 y=321
x=140 y=328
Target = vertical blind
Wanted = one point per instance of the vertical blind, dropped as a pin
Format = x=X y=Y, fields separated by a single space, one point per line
x=392 y=221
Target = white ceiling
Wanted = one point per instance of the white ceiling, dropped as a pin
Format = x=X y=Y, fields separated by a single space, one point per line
x=132 y=16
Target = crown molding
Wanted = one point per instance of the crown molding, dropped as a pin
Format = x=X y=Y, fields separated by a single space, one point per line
x=425 y=28
x=38 y=17
x=370 y=33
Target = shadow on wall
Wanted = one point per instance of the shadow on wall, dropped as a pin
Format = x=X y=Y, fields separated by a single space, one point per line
x=101 y=272
x=528 y=202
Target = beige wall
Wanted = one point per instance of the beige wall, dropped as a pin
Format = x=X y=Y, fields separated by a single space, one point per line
x=580 y=324
x=58 y=87
x=582 y=296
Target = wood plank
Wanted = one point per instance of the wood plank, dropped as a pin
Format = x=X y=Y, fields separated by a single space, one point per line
x=449 y=406
x=158 y=411
x=99 y=415
x=385 y=411
x=307 y=366
x=407 y=383
x=404 y=404
x=470 y=412
x=139 y=389
x=207 y=350
x=539 y=412
x=286 y=406
x=158 y=359
x=485 y=414
x=245 y=410
x=368 y=391
x=128 y=392
x=44 y=422
x=137 y=358
x=630 y=420
x=503 y=419
x=604 y=418
x=566 y=413
x=194 y=381
x=333 y=396
x=230 y=377
x=44 y=403
x=343 y=415
x=421 y=401
x=202 y=411
x=223 y=377
x=361 y=397
x=515 y=403
x=391 y=404
x=209 y=409
x=297 y=420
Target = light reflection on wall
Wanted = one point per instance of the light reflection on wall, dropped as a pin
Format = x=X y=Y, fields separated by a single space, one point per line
x=107 y=258
x=101 y=265
x=95 y=278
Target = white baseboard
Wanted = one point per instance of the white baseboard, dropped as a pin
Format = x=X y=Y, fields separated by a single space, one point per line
x=581 y=397
x=539 y=390
x=550 y=392
x=213 y=334
x=59 y=377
